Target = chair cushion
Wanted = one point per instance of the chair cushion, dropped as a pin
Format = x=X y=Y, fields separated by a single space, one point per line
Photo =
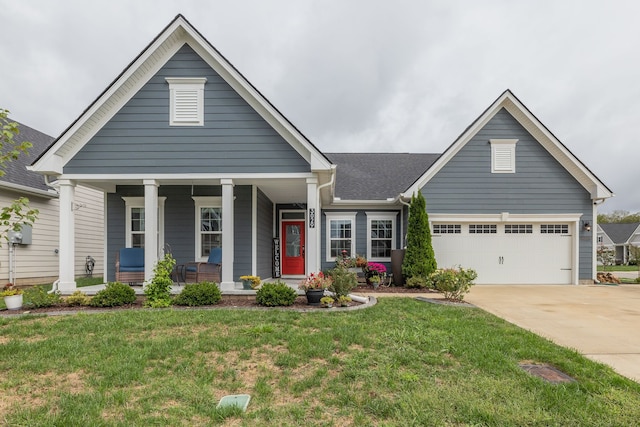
x=132 y=259
x=215 y=256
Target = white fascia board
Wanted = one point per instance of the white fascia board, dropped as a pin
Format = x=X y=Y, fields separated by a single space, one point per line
x=185 y=177
x=507 y=100
x=112 y=100
x=503 y=217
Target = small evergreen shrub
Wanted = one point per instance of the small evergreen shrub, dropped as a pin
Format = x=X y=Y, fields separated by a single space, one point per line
x=203 y=293
x=37 y=297
x=637 y=279
x=453 y=284
x=275 y=294
x=417 y=282
x=419 y=258
x=158 y=292
x=77 y=298
x=343 y=281
x=113 y=295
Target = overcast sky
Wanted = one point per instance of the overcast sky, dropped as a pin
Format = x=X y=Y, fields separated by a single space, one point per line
x=361 y=75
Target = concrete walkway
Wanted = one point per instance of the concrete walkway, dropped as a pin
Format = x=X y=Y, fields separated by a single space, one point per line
x=601 y=322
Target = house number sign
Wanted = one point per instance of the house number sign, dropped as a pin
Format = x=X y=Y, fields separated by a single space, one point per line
x=312 y=218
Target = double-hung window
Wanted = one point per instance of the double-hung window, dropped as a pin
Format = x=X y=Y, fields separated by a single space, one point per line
x=208 y=225
x=381 y=229
x=135 y=222
x=341 y=236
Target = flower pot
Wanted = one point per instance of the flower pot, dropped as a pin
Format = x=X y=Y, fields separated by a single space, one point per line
x=314 y=296
x=13 y=302
x=246 y=285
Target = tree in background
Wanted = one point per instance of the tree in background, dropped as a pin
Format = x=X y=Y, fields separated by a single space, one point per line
x=419 y=259
x=618 y=217
x=634 y=251
x=12 y=217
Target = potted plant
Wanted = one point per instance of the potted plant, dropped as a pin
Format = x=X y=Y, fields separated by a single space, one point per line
x=375 y=281
x=327 y=301
x=12 y=296
x=374 y=272
x=250 y=282
x=314 y=286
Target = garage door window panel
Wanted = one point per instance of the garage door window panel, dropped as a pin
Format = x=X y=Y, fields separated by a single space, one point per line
x=447 y=228
x=554 y=229
x=518 y=229
x=483 y=229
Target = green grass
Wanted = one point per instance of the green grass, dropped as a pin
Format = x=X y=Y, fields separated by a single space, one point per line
x=618 y=268
x=399 y=363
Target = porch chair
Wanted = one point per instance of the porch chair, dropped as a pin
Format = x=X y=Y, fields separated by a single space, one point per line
x=130 y=265
x=209 y=271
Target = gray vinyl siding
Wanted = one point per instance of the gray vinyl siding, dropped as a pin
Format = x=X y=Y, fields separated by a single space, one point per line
x=264 y=236
x=540 y=185
x=179 y=223
x=234 y=138
x=360 y=234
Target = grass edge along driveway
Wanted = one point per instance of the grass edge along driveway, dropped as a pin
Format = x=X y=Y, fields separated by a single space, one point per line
x=402 y=362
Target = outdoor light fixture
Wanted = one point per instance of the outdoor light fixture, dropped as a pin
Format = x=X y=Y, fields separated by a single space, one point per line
x=586 y=225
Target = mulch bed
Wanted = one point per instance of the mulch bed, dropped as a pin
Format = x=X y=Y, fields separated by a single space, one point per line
x=228 y=301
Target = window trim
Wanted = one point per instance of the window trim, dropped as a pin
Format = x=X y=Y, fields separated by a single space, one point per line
x=178 y=85
x=504 y=147
x=203 y=202
x=445 y=228
x=381 y=216
x=138 y=202
x=334 y=216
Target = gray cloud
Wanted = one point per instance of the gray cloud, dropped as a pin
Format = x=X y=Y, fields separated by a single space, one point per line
x=361 y=75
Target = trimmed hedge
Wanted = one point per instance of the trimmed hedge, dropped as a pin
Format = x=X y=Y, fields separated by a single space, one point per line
x=114 y=295
x=276 y=294
x=203 y=293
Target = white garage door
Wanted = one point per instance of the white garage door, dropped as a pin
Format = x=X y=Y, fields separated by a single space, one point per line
x=507 y=253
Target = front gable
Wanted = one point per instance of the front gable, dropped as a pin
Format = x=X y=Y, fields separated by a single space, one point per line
x=233 y=138
x=467 y=183
x=106 y=125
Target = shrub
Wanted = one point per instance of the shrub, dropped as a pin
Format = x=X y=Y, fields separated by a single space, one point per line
x=275 y=294
x=344 y=301
x=115 y=294
x=417 y=282
x=158 y=292
x=77 y=298
x=419 y=258
x=343 y=281
x=637 y=279
x=453 y=284
x=37 y=297
x=203 y=293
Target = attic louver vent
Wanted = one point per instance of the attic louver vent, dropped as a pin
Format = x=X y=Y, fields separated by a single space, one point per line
x=503 y=155
x=187 y=101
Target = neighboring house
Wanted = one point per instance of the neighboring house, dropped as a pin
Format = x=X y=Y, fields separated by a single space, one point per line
x=37 y=262
x=181 y=133
x=619 y=237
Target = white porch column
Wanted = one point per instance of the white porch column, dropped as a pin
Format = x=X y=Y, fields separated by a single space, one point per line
x=150 y=227
x=227 y=282
x=313 y=227
x=67 y=252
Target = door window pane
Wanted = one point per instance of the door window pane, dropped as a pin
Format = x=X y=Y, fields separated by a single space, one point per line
x=293 y=241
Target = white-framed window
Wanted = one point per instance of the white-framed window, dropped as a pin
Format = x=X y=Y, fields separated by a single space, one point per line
x=483 y=229
x=135 y=221
x=554 y=228
x=518 y=229
x=208 y=225
x=503 y=155
x=340 y=234
x=186 y=101
x=381 y=232
x=447 y=229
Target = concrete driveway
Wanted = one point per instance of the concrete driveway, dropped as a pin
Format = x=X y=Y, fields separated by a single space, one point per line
x=599 y=321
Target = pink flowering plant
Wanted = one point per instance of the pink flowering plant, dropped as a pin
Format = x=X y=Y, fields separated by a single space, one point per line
x=375 y=269
x=315 y=281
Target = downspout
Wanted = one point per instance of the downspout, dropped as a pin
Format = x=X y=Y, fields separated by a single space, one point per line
x=594 y=240
x=318 y=217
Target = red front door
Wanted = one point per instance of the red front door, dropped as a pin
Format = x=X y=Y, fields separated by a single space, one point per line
x=293 y=248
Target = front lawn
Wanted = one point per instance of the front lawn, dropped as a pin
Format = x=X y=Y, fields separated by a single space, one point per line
x=400 y=363
x=618 y=268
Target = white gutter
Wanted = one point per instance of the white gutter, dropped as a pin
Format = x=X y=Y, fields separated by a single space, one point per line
x=27 y=190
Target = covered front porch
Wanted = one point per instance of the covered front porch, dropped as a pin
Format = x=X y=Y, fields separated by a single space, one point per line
x=248 y=218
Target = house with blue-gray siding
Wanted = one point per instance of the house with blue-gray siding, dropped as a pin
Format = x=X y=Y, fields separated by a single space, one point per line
x=182 y=134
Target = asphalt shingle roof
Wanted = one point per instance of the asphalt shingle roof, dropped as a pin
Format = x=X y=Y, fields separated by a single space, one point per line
x=377 y=176
x=620 y=233
x=16 y=170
